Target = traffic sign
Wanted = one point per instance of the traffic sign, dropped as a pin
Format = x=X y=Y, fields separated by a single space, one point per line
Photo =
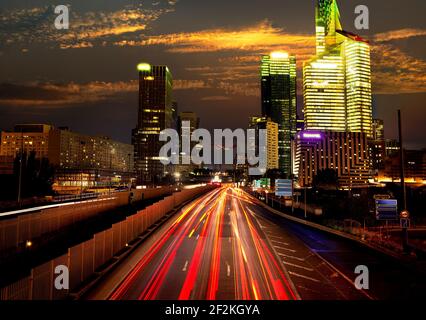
x=256 y=185
x=405 y=223
x=265 y=183
x=284 y=188
x=381 y=197
x=387 y=209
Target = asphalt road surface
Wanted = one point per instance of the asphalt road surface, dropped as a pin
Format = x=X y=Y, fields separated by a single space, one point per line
x=226 y=246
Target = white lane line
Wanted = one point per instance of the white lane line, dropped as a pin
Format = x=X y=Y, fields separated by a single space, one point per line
x=297 y=266
x=280 y=242
x=286 y=249
x=276 y=237
x=291 y=257
x=302 y=276
x=228 y=269
x=342 y=274
x=185 y=267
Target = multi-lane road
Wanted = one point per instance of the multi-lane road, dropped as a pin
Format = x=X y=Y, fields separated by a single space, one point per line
x=225 y=246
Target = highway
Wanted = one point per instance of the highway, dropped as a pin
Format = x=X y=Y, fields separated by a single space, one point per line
x=225 y=246
x=214 y=249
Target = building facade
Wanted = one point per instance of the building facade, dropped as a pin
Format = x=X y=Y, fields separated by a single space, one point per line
x=279 y=101
x=80 y=161
x=391 y=147
x=154 y=115
x=378 y=145
x=337 y=81
x=415 y=167
x=272 y=139
x=188 y=122
x=26 y=138
x=346 y=153
x=84 y=162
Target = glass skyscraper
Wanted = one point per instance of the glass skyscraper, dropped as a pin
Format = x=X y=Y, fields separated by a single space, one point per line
x=278 y=94
x=155 y=114
x=337 y=81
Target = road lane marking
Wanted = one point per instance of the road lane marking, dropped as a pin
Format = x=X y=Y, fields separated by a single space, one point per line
x=304 y=277
x=298 y=266
x=276 y=237
x=228 y=269
x=341 y=274
x=286 y=249
x=280 y=242
x=291 y=257
x=185 y=266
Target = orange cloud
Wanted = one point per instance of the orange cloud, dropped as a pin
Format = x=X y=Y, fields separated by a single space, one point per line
x=260 y=37
x=395 y=72
x=189 y=84
x=399 y=34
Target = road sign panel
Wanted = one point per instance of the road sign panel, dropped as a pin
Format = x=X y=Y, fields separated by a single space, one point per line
x=283 y=188
x=381 y=197
x=387 y=209
x=256 y=185
x=265 y=183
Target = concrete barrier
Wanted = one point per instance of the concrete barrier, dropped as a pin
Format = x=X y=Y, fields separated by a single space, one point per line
x=16 y=230
x=84 y=259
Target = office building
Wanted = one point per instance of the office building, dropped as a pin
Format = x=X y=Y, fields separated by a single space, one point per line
x=415 y=167
x=378 y=145
x=188 y=122
x=337 y=80
x=154 y=115
x=272 y=129
x=278 y=94
x=88 y=162
x=391 y=147
x=81 y=162
x=26 y=138
x=346 y=153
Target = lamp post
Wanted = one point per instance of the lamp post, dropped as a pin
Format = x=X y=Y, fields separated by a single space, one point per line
x=20 y=168
x=81 y=160
x=403 y=188
x=110 y=168
x=306 y=202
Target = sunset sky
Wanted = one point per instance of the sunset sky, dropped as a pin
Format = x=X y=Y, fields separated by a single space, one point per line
x=86 y=77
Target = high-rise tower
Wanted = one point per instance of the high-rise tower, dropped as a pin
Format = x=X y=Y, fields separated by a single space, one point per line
x=337 y=81
x=278 y=90
x=155 y=114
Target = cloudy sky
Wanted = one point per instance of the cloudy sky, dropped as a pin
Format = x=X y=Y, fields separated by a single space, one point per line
x=85 y=77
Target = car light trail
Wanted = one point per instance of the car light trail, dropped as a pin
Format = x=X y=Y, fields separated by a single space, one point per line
x=213 y=249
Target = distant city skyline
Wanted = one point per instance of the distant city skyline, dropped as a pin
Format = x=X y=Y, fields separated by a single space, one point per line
x=56 y=77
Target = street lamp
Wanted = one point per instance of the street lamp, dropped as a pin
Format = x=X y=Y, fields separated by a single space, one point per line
x=110 y=168
x=20 y=167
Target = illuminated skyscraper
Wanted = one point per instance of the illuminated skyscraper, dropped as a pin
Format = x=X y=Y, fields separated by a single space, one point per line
x=262 y=123
x=188 y=122
x=337 y=81
x=278 y=90
x=329 y=150
x=155 y=114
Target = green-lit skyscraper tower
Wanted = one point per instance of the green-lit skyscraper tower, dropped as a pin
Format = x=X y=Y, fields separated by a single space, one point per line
x=278 y=93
